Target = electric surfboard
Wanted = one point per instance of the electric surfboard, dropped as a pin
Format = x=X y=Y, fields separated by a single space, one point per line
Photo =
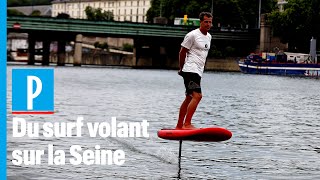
x=210 y=134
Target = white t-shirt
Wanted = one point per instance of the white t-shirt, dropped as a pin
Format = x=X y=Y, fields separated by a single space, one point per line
x=198 y=45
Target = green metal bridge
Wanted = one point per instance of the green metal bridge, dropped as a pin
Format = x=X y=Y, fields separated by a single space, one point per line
x=31 y=24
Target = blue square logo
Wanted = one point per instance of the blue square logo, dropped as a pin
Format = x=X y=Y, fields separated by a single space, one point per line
x=32 y=91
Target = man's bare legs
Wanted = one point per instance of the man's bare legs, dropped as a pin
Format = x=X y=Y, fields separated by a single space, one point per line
x=187 y=109
x=183 y=111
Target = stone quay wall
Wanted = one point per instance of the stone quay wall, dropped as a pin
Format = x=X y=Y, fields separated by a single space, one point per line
x=118 y=59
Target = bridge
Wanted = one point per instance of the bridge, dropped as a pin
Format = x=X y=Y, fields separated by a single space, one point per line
x=49 y=29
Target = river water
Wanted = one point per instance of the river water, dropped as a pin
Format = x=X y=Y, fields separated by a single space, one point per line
x=275 y=123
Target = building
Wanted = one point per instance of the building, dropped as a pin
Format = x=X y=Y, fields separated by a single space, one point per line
x=123 y=10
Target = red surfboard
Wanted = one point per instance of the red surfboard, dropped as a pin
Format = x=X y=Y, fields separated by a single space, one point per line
x=210 y=134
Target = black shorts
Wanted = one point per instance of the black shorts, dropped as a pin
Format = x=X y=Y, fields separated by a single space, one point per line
x=191 y=82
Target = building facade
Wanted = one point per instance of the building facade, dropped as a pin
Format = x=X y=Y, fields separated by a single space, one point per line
x=123 y=10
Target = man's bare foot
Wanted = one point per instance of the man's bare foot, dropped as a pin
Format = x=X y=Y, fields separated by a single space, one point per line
x=188 y=126
x=179 y=126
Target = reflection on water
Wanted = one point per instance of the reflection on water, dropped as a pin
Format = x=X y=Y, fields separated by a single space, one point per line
x=275 y=124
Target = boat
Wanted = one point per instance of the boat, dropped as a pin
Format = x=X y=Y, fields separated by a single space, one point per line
x=285 y=64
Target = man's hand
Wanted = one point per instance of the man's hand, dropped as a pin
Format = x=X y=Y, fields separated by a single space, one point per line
x=180 y=72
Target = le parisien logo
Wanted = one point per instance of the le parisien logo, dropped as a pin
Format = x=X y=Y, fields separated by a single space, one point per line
x=32 y=91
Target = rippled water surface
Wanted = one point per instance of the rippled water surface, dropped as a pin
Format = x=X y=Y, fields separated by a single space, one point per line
x=275 y=123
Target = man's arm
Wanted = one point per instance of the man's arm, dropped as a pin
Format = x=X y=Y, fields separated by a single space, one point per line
x=182 y=57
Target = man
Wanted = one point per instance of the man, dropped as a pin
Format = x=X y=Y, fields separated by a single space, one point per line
x=192 y=59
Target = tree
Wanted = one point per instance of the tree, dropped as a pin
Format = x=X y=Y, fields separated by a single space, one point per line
x=297 y=24
x=98 y=14
x=103 y=46
x=35 y=13
x=63 y=16
x=232 y=13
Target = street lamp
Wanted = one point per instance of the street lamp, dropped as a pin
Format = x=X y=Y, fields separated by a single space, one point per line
x=211 y=7
x=79 y=10
x=259 y=14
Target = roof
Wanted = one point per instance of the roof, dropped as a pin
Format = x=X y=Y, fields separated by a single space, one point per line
x=77 y=1
x=27 y=10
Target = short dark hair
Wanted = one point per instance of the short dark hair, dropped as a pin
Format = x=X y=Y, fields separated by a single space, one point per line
x=202 y=14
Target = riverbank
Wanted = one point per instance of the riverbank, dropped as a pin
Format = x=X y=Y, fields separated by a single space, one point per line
x=226 y=65
x=128 y=60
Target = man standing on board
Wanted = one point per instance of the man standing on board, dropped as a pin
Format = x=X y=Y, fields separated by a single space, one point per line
x=192 y=59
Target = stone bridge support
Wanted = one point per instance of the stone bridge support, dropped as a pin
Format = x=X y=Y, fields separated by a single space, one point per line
x=61 y=52
x=265 y=34
x=77 y=60
x=46 y=52
x=31 y=48
x=137 y=45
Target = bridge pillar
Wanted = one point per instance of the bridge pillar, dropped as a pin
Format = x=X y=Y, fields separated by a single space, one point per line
x=157 y=58
x=46 y=52
x=136 y=51
x=78 y=51
x=61 y=53
x=31 y=49
x=265 y=34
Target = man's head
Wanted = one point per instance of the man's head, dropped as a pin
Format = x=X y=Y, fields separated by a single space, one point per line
x=205 y=21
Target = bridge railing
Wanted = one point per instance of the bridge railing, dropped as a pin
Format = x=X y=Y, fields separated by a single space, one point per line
x=116 y=28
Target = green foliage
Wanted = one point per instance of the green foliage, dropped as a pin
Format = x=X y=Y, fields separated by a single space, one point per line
x=98 y=15
x=214 y=52
x=297 y=23
x=35 y=13
x=13 y=3
x=104 y=45
x=14 y=12
x=127 y=47
x=63 y=16
x=96 y=44
x=235 y=13
x=230 y=51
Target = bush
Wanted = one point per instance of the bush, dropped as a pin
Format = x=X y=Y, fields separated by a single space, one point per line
x=230 y=51
x=127 y=47
x=104 y=45
x=63 y=16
